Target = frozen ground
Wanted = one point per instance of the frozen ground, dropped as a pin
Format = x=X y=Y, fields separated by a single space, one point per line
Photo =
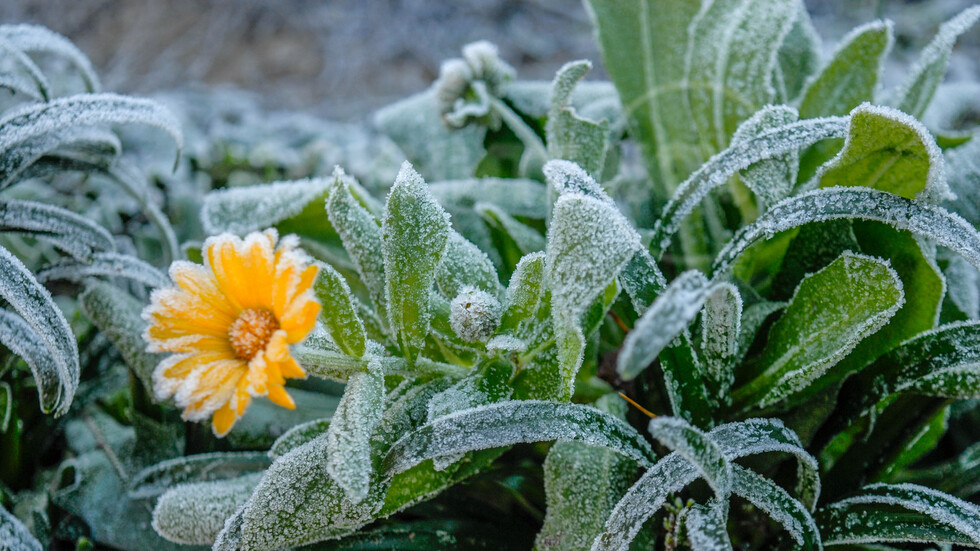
x=344 y=58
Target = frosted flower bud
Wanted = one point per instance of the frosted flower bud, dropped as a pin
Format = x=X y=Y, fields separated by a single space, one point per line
x=484 y=60
x=454 y=80
x=474 y=315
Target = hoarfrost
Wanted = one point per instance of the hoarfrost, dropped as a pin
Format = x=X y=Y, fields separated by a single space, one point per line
x=38 y=39
x=109 y=265
x=569 y=135
x=513 y=422
x=707 y=528
x=465 y=265
x=772 y=180
x=517 y=197
x=100 y=146
x=947 y=229
x=524 y=292
x=206 y=467
x=338 y=314
x=474 y=315
x=780 y=506
x=566 y=177
x=70 y=232
x=40 y=335
x=719 y=168
x=14 y=535
x=660 y=324
x=246 y=209
x=194 y=513
x=697 y=449
x=643 y=280
x=720 y=327
x=297 y=436
x=349 y=434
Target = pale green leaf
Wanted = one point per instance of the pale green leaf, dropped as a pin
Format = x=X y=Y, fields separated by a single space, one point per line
x=569 y=135
x=337 y=311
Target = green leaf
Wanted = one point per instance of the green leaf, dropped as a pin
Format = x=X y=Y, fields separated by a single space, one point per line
x=242 y=210
x=107 y=265
x=731 y=56
x=426 y=535
x=707 y=527
x=195 y=512
x=643 y=280
x=80 y=147
x=524 y=292
x=740 y=156
x=349 y=434
x=720 y=326
x=779 y=505
x=40 y=40
x=486 y=385
x=6 y=406
x=360 y=233
x=70 y=232
x=947 y=229
x=118 y=316
x=157 y=479
x=884 y=513
x=831 y=311
x=40 y=335
x=888 y=150
x=771 y=180
x=297 y=436
x=799 y=56
x=570 y=136
x=915 y=94
x=697 y=449
x=439 y=153
x=414 y=232
x=508 y=423
x=851 y=75
x=337 y=313
x=465 y=265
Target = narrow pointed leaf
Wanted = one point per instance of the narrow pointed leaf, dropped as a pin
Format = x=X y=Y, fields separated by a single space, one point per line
x=106 y=264
x=570 y=136
x=157 y=479
x=697 y=449
x=779 y=505
x=337 y=313
x=70 y=232
x=349 y=435
x=38 y=39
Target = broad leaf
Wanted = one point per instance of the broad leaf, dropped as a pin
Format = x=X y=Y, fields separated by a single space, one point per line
x=338 y=314
x=157 y=479
x=570 y=136
x=349 y=435
x=195 y=513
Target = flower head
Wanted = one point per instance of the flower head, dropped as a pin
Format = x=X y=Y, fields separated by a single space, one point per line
x=228 y=324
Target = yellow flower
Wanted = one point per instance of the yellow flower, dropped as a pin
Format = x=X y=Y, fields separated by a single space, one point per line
x=228 y=323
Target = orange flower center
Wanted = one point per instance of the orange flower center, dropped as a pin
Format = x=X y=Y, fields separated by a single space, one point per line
x=251 y=332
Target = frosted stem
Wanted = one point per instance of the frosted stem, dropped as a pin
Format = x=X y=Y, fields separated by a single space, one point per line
x=513 y=121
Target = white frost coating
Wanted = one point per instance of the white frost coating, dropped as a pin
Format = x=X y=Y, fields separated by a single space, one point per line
x=697 y=449
x=70 y=232
x=349 y=435
x=17 y=57
x=195 y=513
x=414 y=231
x=465 y=265
x=707 y=528
x=517 y=197
x=925 y=76
x=672 y=473
x=14 y=535
x=834 y=203
x=106 y=265
x=246 y=209
x=99 y=144
x=474 y=315
x=568 y=177
x=720 y=167
x=514 y=422
x=721 y=324
x=666 y=318
x=38 y=39
x=963 y=286
x=84 y=110
x=524 y=290
x=839 y=518
x=527 y=238
x=206 y=467
x=506 y=345
x=297 y=436
x=771 y=180
x=41 y=335
x=780 y=506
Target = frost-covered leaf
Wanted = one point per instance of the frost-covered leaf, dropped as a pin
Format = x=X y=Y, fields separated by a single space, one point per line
x=799 y=56
x=851 y=75
x=888 y=150
x=70 y=232
x=515 y=422
x=65 y=114
x=118 y=316
x=524 y=292
x=740 y=156
x=40 y=335
x=246 y=209
x=360 y=233
x=206 y=467
x=194 y=513
x=570 y=136
x=707 y=527
x=72 y=146
x=38 y=39
x=697 y=449
x=6 y=406
x=487 y=385
x=662 y=322
x=515 y=196
x=14 y=535
x=914 y=95
x=465 y=265
x=338 y=314
x=772 y=180
x=582 y=484
x=720 y=327
x=947 y=229
x=20 y=84
x=439 y=153
x=109 y=265
x=297 y=436
x=732 y=52
x=526 y=238
x=672 y=473
x=642 y=280
x=30 y=70
x=779 y=505
x=963 y=173
x=566 y=177
x=899 y=513
x=349 y=435
x=830 y=312
x=963 y=286
x=414 y=232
